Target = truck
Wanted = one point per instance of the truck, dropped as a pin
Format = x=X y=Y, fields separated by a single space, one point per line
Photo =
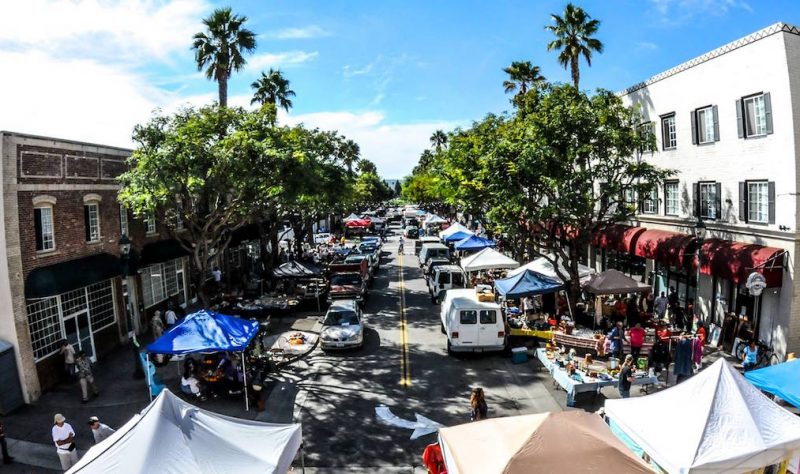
x=470 y=323
x=348 y=281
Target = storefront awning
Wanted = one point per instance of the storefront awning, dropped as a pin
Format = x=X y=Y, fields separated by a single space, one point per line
x=161 y=251
x=669 y=248
x=736 y=260
x=617 y=237
x=70 y=275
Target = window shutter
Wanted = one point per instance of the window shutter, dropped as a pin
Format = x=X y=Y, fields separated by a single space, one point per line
x=742 y=201
x=718 y=204
x=768 y=112
x=696 y=198
x=37 y=223
x=715 y=113
x=771 y=191
x=654 y=204
x=86 y=223
x=739 y=121
x=693 y=121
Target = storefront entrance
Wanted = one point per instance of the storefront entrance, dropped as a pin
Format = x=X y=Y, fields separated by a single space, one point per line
x=78 y=333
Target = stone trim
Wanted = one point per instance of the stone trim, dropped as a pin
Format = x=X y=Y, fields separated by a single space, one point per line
x=92 y=198
x=44 y=199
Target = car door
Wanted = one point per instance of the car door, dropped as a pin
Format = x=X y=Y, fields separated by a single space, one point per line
x=467 y=328
x=488 y=328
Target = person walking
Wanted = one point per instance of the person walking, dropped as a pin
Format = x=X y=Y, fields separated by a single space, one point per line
x=64 y=439
x=626 y=377
x=7 y=458
x=478 y=408
x=85 y=376
x=660 y=305
x=69 y=359
x=100 y=431
x=750 y=356
x=157 y=325
x=171 y=317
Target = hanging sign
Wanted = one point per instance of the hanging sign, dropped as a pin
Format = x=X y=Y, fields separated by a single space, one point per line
x=756 y=283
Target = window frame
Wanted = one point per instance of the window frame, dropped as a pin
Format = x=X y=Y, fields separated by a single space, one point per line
x=41 y=226
x=707 y=111
x=671 y=134
x=124 y=229
x=650 y=198
x=150 y=223
x=677 y=212
x=745 y=117
x=764 y=204
x=463 y=312
x=92 y=223
x=707 y=185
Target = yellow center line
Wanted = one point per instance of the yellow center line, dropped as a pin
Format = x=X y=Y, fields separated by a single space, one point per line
x=405 y=369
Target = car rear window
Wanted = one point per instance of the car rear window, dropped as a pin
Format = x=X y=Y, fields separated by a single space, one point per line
x=469 y=317
x=458 y=279
x=488 y=316
x=340 y=318
x=444 y=277
x=346 y=279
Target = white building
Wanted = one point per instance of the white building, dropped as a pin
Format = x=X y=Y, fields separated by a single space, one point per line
x=728 y=123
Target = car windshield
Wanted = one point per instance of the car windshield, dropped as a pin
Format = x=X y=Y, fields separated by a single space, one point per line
x=354 y=259
x=340 y=318
x=368 y=247
x=346 y=279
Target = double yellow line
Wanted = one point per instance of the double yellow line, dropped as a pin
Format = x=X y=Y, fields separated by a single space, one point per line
x=405 y=368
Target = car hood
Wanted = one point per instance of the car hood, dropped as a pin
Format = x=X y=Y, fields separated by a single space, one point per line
x=339 y=332
x=345 y=288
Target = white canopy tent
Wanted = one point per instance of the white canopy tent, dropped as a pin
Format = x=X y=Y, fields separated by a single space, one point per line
x=487 y=259
x=432 y=219
x=175 y=437
x=352 y=217
x=457 y=227
x=722 y=425
x=542 y=266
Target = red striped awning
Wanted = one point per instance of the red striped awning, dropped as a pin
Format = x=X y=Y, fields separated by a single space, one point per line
x=669 y=248
x=736 y=260
x=617 y=237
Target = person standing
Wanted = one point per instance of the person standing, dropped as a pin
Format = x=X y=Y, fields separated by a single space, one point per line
x=617 y=337
x=171 y=317
x=673 y=301
x=64 y=439
x=660 y=305
x=85 y=376
x=100 y=431
x=626 y=377
x=69 y=359
x=478 y=408
x=157 y=325
x=7 y=458
x=750 y=356
x=637 y=341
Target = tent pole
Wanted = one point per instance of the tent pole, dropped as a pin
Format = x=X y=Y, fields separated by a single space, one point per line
x=244 y=379
x=149 y=375
x=569 y=307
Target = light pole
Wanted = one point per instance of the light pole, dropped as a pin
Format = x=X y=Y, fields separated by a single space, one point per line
x=700 y=231
x=125 y=261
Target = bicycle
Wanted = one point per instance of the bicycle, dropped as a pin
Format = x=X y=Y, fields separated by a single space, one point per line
x=766 y=355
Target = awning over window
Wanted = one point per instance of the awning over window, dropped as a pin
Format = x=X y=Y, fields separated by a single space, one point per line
x=736 y=260
x=70 y=275
x=617 y=237
x=669 y=248
x=161 y=251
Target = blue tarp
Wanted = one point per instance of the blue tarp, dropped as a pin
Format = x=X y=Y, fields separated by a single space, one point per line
x=473 y=242
x=527 y=283
x=456 y=236
x=782 y=380
x=206 y=331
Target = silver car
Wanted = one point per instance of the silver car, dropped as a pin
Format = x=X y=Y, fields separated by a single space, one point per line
x=342 y=327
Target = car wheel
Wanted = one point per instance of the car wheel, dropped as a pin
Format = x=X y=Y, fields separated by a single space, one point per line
x=449 y=347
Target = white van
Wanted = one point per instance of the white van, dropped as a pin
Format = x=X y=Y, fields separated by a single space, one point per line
x=433 y=250
x=443 y=278
x=471 y=325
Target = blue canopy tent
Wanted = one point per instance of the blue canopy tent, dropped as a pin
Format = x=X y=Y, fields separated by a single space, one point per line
x=206 y=331
x=473 y=242
x=456 y=236
x=527 y=283
x=782 y=380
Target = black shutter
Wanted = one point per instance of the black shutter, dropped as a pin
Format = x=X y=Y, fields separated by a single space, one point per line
x=86 y=223
x=739 y=121
x=693 y=121
x=771 y=191
x=37 y=223
x=768 y=112
x=715 y=113
x=696 y=197
x=654 y=196
x=718 y=204
x=742 y=201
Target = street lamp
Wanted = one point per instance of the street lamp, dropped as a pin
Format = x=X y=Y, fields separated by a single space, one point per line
x=700 y=231
x=125 y=260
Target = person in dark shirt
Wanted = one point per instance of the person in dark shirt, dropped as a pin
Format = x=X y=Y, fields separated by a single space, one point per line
x=626 y=377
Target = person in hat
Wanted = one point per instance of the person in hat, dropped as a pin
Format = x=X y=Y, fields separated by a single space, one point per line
x=626 y=377
x=64 y=439
x=100 y=431
x=86 y=378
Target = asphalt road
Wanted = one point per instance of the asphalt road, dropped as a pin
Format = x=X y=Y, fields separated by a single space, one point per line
x=335 y=394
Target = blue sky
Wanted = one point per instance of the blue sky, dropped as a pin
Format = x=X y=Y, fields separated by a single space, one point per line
x=386 y=73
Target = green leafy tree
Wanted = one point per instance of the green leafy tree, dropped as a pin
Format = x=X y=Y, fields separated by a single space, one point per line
x=398 y=189
x=272 y=88
x=522 y=76
x=220 y=49
x=574 y=32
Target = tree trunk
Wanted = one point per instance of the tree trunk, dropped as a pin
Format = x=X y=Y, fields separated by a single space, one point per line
x=222 y=87
x=576 y=74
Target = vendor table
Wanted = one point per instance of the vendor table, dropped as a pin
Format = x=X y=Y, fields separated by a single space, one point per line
x=590 y=384
x=546 y=335
x=592 y=344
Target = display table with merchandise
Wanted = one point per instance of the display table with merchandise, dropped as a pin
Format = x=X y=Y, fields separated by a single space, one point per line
x=584 y=382
x=588 y=340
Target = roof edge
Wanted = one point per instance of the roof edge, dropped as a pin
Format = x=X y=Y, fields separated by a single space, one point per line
x=63 y=140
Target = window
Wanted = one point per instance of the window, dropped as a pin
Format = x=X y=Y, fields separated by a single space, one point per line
x=161 y=281
x=629 y=195
x=488 y=316
x=469 y=317
x=44 y=324
x=150 y=221
x=754 y=115
x=669 y=136
x=91 y=214
x=707 y=200
x=650 y=202
x=647 y=131
x=43 y=223
x=705 y=125
x=123 y=220
x=671 y=198
x=757 y=202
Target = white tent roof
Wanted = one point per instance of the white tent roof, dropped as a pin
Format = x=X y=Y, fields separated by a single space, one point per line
x=543 y=267
x=717 y=422
x=352 y=217
x=174 y=437
x=487 y=259
x=457 y=227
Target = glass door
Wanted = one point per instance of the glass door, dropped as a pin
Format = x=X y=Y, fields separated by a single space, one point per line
x=77 y=329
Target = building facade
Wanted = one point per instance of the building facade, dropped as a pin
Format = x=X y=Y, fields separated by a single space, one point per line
x=728 y=124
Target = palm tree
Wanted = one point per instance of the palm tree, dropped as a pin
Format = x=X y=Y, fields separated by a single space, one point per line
x=574 y=38
x=221 y=48
x=438 y=139
x=522 y=75
x=272 y=88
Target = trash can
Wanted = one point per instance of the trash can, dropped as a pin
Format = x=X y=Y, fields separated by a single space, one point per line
x=10 y=389
x=519 y=355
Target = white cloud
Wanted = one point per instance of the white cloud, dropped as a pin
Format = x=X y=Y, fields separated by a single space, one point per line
x=646 y=46
x=286 y=59
x=306 y=32
x=677 y=12
x=394 y=148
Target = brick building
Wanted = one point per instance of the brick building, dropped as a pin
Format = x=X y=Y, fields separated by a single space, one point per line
x=60 y=272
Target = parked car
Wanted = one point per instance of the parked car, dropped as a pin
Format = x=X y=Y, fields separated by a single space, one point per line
x=411 y=232
x=374 y=253
x=342 y=326
x=425 y=240
x=432 y=264
x=443 y=278
x=357 y=258
x=430 y=251
x=322 y=238
x=471 y=325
